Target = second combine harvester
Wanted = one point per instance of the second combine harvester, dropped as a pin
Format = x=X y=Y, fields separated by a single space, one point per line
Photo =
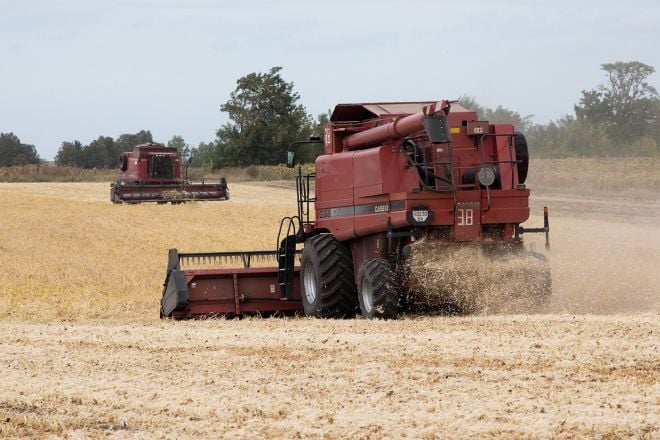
x=153 y=173
x=392 y=176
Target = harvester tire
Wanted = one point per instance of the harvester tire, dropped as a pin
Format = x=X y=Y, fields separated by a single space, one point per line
x=377 y=291
x=327 y=281
x=113 y=196
x=522 y=156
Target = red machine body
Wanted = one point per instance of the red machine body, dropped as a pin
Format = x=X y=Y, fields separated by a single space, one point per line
x=190 y=292
x=392 y=175
x=153 y=173
x=365 y=184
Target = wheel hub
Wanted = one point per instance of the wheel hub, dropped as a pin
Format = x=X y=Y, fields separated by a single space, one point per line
x=309 y=280
x=367 y=295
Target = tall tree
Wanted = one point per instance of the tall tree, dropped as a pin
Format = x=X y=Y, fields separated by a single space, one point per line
x=180 y=145
x=265 y=117
x=99 y=153
x=202 y=155
x=308 y=153
x=70 y=154
x=626 y=105
x=127 y=141
x=321 y=120
x=13 y=152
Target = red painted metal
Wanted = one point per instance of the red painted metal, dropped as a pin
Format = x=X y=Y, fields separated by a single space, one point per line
x=381 y=186
x=365 y=181
x=235 y=292
x=397 y=129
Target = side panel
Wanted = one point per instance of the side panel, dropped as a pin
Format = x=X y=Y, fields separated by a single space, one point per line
x=334 y=189
x=176 y=295
x=132 y=172
x=467 y=216
x=334 y=180
x=381 y=170
x=235 y=291
x=352 y=189
x=511 y=206
x=367 y=176
x=371 y=215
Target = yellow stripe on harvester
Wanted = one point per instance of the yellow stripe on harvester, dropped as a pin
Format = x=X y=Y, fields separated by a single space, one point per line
x=455 y=130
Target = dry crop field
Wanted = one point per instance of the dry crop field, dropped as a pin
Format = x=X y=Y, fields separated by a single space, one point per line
x=83 y=353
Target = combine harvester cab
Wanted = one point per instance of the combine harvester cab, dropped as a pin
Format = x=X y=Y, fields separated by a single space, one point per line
x=416 y=205
x=153 y=173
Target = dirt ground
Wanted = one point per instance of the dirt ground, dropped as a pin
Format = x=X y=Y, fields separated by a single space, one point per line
x=84 y=355
x=506 y=376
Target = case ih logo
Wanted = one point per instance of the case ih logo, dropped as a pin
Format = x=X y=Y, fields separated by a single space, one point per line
x=381 y=208
x=420 y=215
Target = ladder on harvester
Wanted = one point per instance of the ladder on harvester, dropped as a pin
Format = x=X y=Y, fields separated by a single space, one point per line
x=286 y=254
x=292 y=231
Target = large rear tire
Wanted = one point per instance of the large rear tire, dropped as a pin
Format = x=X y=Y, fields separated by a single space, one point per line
x=326 y=280
x=522 y=156
x=377 y=290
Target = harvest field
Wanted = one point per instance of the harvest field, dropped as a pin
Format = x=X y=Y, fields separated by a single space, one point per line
x=84 y=353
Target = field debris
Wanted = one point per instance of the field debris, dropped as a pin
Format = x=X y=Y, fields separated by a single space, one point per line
x=515 y=376
x=469 y=280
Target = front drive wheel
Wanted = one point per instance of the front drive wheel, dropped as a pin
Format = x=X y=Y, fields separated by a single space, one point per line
x=377 y=290
x=114 y=198
x=326 y=278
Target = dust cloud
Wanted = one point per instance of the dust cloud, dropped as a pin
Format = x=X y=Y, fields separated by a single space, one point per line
x=604 y=259
x=466 y=280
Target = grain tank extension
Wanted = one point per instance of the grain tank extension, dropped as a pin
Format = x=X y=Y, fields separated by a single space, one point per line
x=412 y=201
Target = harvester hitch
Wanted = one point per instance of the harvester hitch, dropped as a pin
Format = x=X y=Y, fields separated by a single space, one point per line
x=519 y=230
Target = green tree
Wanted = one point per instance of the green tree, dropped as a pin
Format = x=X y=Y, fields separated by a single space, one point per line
x=70 y=154
x=202 y=155
x=626 y=105
x=568 y=137
x=309 y=152
x=321 y=120
x=499 y=115
x=180 y=145
x=265 y=117
x=127 y=141
x=100 y=153
x=13 y=152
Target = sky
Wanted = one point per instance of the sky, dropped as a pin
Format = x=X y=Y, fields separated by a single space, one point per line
x=79 y=69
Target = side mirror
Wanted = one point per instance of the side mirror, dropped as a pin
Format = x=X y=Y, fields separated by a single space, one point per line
x=290 y=155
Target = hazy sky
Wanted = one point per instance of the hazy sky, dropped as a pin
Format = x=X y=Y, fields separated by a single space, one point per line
x=78 y=69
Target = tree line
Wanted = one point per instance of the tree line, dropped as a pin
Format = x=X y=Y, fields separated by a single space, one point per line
x=619 y=117
x=13 y=152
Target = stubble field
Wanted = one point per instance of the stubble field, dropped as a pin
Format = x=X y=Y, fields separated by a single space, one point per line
x=84 y=354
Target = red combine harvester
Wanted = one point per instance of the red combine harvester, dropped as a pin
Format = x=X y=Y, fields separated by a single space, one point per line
x=393 y=176
x=152 y=173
